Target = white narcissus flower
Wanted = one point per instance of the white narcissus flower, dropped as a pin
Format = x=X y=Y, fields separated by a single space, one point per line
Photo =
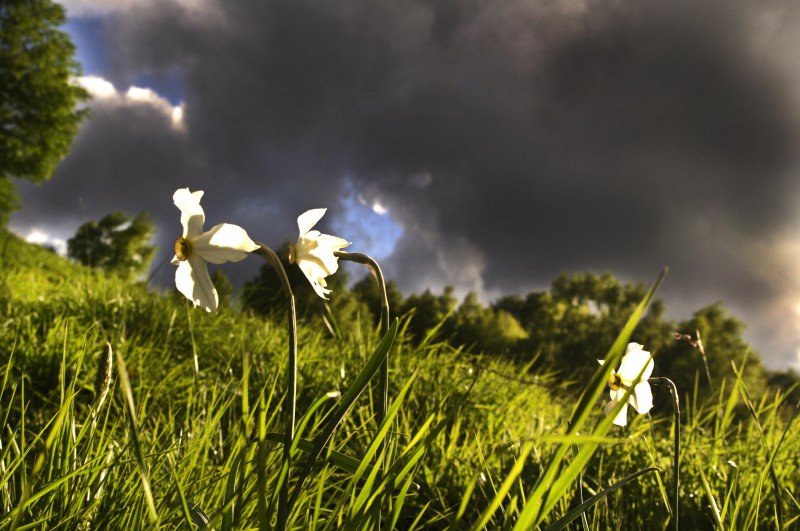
x=635 y=362
x=313 y=251
x=223 y=243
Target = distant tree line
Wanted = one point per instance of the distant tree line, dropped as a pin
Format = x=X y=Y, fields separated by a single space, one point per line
x=565 y=328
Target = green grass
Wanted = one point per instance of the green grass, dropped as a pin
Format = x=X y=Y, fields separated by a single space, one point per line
x=171 y=439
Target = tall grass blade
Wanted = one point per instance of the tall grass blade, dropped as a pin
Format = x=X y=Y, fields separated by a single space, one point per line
x=130 y=408
x=565 y=520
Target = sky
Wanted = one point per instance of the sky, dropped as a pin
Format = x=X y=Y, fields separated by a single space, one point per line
x=484 y=145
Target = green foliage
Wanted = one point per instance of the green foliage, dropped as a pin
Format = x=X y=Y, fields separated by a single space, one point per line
x=9 y=202
x=428 y=311
x=39 y=100
x=116 y=243
x=472 y=434
x=486 y=329
x=721 y=343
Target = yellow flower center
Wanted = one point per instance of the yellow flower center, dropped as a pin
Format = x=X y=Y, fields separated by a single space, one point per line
x=182 y=248
x=615 y=381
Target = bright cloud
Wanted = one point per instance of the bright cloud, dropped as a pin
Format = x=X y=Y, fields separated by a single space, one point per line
x=40 y=237
x=104 y=91
x=95 y=8
x=97 y=86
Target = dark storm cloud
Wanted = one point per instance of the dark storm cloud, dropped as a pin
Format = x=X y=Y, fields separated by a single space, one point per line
x=511 y=140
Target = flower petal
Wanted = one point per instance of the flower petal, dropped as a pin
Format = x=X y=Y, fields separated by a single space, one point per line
x=308 y=219
x=642 y=398
x=193 y=281
x=622 y=417
x=318 y=283
x=223 y=243
x=633 y=346
x=326 y=258
x=632 y=364
x=192 y=215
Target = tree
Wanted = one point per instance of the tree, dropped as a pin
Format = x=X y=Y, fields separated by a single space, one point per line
x=116 y=243
x=40 y=107
x=429 y=311
x=723 y=343
x=486 y=329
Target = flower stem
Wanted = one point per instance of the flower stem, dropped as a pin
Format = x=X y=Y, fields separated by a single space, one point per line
x=383 y=386
x=375 y=269
x=673 y=390
x=290 y=404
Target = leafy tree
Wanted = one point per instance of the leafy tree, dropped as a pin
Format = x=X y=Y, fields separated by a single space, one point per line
x=116 y=243
x=367 y=291
x=487 y=329
x=430 y=310
x=723 y=343
x=576 y=321
x=9 y=201
x=39 y=101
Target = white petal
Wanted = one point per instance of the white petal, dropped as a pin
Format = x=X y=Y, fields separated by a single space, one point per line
x=633 y=346
x=319 y=250
x=632 y=364
x=622 y=417
x=308 y=219
x=192 y=215
x=642 y=398
x=332 y=242
x=317 y=283
x=325 y=257
x=319 y=261
x=223 y=243
x=601 y=361
x=313 y=265
x=193 y=281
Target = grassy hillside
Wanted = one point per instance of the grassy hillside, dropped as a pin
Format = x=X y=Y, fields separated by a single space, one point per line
x=171 y=438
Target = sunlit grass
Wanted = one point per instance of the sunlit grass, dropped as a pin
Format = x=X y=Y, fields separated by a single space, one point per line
x=472 y=438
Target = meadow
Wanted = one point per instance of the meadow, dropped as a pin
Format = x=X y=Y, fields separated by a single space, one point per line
x=125 y=408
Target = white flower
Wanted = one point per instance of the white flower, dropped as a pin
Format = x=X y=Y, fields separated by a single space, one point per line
x=635 y=362
x=223 y=243
x=313 y=251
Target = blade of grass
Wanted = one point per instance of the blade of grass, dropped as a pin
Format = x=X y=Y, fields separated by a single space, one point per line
x=564 y=521
x=353 y=392
x=137 y=445
x=546 y=492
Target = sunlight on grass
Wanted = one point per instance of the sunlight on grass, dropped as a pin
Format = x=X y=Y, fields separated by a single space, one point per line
x=465 y=441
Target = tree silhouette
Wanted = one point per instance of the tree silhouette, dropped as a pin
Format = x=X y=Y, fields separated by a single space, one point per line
x=40 y=107
x=116 y=243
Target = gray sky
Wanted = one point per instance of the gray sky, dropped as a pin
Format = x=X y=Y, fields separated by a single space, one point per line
x=486 y=145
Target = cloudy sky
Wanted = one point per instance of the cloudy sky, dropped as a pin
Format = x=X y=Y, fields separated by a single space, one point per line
x=486 y=145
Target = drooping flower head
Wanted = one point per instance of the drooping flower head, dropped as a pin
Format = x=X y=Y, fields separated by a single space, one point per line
x=313 y=251
x=223 y=243
x=635 y=362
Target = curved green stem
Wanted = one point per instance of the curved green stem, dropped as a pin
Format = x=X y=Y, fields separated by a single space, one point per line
x=373 y=267
x=291 y=391
x=673 y=390
x=383 y=385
